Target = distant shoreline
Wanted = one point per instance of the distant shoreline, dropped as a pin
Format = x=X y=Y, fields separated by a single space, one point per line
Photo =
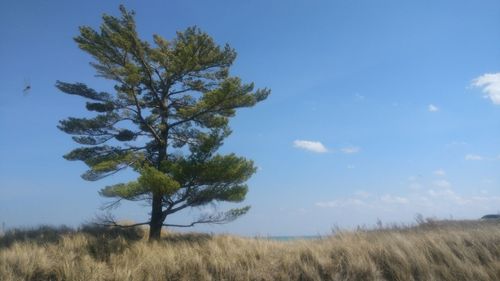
x=291 y=237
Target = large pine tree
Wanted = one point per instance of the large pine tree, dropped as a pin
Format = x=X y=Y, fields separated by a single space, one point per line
x=166 y=119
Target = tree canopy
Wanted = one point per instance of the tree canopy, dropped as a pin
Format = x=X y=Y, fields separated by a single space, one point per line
x=166 y=118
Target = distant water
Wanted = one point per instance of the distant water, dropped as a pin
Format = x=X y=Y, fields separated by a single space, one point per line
x=293 y=238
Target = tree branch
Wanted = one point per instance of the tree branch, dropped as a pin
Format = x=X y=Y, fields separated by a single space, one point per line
x=150 y=77
x=139 y=114
x=192 y=224
x=121 y=225
x=108 y=220
x=180 y=91
x=173 y=210
x=218 y=219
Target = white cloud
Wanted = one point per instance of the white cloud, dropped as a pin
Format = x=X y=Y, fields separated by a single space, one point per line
x=447 y=195
x=313 y=146
x=442 y=183
x=490 y=83
x=362 y=193
x=393 y=199
x=441 y=200
x=350 y=149
x=440 y=173
x=341 y=203
x=456 y=143
x=473 y=157
x=429 y=200
x=432 y=108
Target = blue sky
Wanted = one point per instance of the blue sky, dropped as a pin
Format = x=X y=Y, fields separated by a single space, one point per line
x=379 y=109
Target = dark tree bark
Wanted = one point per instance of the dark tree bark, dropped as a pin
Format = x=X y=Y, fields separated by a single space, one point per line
x=157 y=218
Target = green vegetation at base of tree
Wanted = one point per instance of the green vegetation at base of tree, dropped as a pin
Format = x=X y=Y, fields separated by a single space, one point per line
x=445 y=251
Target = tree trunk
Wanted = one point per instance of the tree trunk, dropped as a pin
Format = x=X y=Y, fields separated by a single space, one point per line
x=156 y=222
x=157 y=217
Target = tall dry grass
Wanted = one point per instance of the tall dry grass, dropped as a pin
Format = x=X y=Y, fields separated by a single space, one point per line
x=441 y=251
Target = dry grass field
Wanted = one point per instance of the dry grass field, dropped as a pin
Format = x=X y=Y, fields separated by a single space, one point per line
x=434 y=250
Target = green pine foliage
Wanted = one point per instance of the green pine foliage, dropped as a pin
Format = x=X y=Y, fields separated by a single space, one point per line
x=166 y=118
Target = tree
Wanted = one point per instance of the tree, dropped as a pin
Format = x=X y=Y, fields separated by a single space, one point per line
x=166 y=119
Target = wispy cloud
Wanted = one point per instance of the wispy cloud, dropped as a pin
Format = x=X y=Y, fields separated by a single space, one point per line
x=433 y=108
x=394 y=199
x=350 y=149
x=473 y=157
x=490 y=84
x=364 y=201
x=340 y=203
x=313 y=146
x=362 y=193
x=440 y=200
x=442 y=183
x=440 y=173
x=456 y=143
x=433 y=198
x=318 y=147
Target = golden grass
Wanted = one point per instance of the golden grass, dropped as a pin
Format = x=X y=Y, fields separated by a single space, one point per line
x=438 y=251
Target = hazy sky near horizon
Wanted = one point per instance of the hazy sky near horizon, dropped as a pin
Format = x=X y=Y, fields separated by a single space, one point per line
x=379 y=109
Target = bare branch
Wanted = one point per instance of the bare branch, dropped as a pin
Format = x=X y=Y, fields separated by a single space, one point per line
x=123 y=226
x=217 y=218
x=111 y=205
x=192 y=224
x=109 y=220
x=173 y=210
